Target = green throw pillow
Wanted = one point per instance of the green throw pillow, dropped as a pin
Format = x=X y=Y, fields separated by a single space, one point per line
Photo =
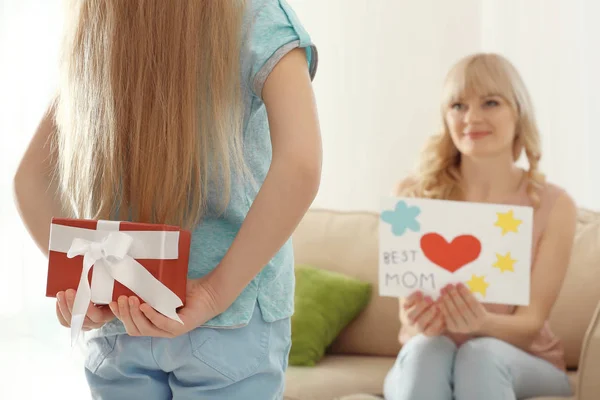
x=325 y=302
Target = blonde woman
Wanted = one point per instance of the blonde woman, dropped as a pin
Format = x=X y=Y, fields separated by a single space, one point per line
x=199 y=114
x=454 y=347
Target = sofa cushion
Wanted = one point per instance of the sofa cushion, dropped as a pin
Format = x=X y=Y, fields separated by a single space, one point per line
x=336 y=376
x=347 y=242
x=325 y=302
x=361 y=396
x=339 y=377
x=579 y=295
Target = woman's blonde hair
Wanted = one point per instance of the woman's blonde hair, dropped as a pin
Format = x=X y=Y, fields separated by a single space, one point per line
x=149 y=108
x=438 y=175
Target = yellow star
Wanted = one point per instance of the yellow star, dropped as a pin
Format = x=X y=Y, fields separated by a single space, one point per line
x=507 y=222
x=505 y=263
x=477 y=284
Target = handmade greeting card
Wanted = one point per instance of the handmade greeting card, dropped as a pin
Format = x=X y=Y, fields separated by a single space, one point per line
x=425 y=244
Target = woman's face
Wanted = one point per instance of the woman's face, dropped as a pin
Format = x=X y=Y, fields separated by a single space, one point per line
x=481 y=126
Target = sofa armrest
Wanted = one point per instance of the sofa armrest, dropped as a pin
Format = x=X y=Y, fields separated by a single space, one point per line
x=588 y=384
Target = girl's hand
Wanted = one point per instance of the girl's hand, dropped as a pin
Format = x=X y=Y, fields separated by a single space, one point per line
x=201 y=305
x=462 y=312
x=424 y=314
x=95 y=317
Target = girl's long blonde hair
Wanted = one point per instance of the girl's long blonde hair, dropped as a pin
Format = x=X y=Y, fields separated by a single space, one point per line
x=438 y=174
x=149 y=108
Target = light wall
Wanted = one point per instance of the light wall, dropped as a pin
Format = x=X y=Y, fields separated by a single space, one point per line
x=382 y=64
x=554 y=43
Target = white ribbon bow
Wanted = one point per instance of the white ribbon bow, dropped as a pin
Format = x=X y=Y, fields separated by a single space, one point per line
x=111 y=254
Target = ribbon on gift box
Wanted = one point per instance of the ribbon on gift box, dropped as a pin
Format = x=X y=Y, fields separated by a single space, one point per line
x=113 y=255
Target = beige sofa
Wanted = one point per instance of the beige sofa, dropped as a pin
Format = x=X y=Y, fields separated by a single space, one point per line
x=357 y=362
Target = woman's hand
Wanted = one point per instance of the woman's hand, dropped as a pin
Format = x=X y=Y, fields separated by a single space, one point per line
x=462 y=312
x=424 y=314
x=201 y=305
x=95 y=317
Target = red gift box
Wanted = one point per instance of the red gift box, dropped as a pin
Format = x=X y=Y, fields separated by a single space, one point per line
x=163 y=251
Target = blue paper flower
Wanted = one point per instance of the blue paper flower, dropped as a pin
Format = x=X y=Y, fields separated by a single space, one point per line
x=402 y=218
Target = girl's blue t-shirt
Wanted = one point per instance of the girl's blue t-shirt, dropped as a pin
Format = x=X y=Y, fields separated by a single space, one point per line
x=271 y=30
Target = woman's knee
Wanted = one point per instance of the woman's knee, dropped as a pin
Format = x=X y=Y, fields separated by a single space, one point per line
x=428 y=352
x=438 y=346
x=480 y=356
x=423 y=370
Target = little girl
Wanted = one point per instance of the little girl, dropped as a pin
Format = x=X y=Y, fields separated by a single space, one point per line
x=199 y=114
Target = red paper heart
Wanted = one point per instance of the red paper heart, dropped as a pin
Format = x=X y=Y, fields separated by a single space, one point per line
x=451 y=256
